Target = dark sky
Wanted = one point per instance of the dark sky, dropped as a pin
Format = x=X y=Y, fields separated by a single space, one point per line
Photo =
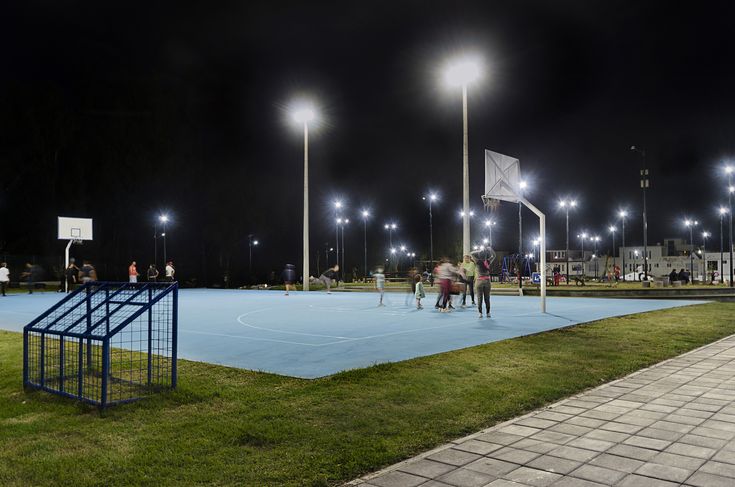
x=117 y=111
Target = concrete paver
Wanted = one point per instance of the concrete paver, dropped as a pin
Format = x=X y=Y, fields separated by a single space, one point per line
x=669 y=425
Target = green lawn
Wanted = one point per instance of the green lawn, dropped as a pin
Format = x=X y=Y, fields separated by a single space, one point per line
x=233 y=427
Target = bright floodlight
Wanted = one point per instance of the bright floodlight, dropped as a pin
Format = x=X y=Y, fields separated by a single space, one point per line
x=612 y=228
x=304 y=114
x=489 y=222
x=163 y=218
x=723 y=210
x=705 y=234
x=731 y=189
x=432 y=197
x=392 y=251
x=485 y=241
x=462 y=72
x=728 y=169
x=339 y=220
x=347 y=220
x=403 y=248
x=365 y=213
x=255 y=242
x=623 y=213
x=393 y=226
x=338 y=204
x=523 y=185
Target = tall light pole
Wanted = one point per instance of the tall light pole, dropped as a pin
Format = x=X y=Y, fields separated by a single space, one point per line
x=251 y=242
x=342 y=266
x=705 y=235
x=365 y=215
x=566 y=205
x=390 y=227
x=691 y=224
x=596 y=240
x=432 y=197
x=582 y=237
x=644 y=186
x=304 y=115
x=164 y=219
x=722 y=254
x=730 y=189
x=635 y=262
x=612 y=231
x=489 y=226
x=522 y=187
x=623 y=215
x=462 y=73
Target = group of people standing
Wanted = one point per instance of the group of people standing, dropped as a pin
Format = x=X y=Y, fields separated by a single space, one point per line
x=471 y=276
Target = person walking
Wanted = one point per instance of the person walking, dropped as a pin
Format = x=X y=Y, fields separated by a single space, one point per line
x=446 y=274
x=170 y=271
x=152 y=273
x=133 y=272
x=289 y=277
x=483 y=259
x=28 y=276
x=379 y=278
x=327 y=277
x=419 y=293
x=4 y=277
x=71 y=275
x=469 y=268
x=88 y=272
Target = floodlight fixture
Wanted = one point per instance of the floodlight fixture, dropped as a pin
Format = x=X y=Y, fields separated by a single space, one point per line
x=464 y=71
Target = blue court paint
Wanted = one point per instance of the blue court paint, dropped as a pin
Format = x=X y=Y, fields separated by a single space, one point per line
x=314 y=334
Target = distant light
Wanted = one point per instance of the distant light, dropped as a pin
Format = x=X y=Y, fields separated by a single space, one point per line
x=723 y=210
x=347 y=220
x=583 y=235
x=339 y=220
x=403 y=248
x=475 y=247
x=163 y=234
x=432 y=197
x=623 y=214
x=338 y=204
x=573 y=203
x=485 y=241
x=255 y=242
x=489 y=222
x=728 y=169
x=705 y=234
x=163 y=218
x=392 y=251
x=731 y=189
x=365 y=213
x=393 y=226
x=387 y=226
x=612 y=228
x=461 y=213
x=523 y=185
x=462 y=72
x=594 y=256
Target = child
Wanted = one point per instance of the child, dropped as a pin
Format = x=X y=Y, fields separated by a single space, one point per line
x=379 y=283
x=419 y=291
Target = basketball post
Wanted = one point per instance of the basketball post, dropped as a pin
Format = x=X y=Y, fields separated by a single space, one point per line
x=73 y=230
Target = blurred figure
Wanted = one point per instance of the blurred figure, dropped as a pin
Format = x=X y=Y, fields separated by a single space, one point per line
x=88 y=273
x=4 y=277
x=411 y=280
x=419 y=293
x=133 y=272
x=379 y=278
x=484 y=259
x=289 y=277
x=170 y=271
x=446 y=274
x=71 y=274
x=328 y=276
x=152 y=273
x=29 y=277
x=468 y=267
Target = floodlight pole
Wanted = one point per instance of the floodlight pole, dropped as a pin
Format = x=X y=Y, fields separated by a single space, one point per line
x=364 y=243
x=623 y=236
x=567 y=247
x=465 y=177
x=305 y=278
x=704 y=257
x=729 y=203
x=155 y=244
x=644 y=185
x=165 y=261
x=722 y=255
x=431 y=239
x=520 y=248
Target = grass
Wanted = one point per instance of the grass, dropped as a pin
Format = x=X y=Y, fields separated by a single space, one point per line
x=226 y=426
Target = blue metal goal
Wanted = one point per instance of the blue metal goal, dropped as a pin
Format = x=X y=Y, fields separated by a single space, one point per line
x=106 y=343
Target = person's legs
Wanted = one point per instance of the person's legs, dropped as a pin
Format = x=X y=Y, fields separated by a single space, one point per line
x=464 y=292
x=4 y=286
x=30 y=286
x=471 y=286
x=445 y=283
x=486 y=297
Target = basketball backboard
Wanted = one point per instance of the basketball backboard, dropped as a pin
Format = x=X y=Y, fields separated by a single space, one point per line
x=502 y=177
x=75 y=228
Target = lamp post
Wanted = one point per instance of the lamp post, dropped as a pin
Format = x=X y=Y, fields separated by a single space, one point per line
x=596 y=239
x=612 y=230
x=251 y=242
x=582 y=237
x=623 y=214
x=304 y=115
x=566 y=205
x=337 y=221
x=705 y=236
x=365 y=215
x=390 y=227
x=722 y=254
x=432 y=197
x=644 y=186
x=164 y=220
x=342 y=266
x=489 y=225
x=635 y=262
x=462 y=73
x=730 y=189
x=691 y=224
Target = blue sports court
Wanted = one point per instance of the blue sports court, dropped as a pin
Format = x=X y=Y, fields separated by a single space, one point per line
x=312 y=335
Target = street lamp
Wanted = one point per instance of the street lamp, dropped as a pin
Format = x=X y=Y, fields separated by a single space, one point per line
x=164 y=220
x=722 y=254
x=365 y=215
x=730 y=189
x=705 y=236
x=338 y=220
x=431 y=198
x=522 y=185
x=635 y=263
x=303 y=115
x=596 y=239
x=691 y=224
x=582 y=236
x=489 y=225
x=612 y=231
x=644 y=186
x=623 y=215
x=566 y=205
x=463 y=72
x=251 y=242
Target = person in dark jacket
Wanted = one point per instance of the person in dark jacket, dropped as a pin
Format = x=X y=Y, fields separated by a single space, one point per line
x=289 y=277
x=674 y=276
x=684 y=276
x=327 y=277
x=484 y=259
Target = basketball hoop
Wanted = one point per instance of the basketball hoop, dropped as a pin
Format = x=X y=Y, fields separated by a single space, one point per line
x=77 y=241
x=491 y=204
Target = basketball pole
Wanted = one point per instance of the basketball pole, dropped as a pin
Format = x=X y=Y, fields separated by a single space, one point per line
x=66 y=265
x=542 y=248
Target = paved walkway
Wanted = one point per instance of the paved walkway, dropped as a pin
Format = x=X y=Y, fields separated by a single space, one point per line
x=671 y=424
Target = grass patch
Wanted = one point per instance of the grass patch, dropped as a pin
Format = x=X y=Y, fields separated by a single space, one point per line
x=226 y=426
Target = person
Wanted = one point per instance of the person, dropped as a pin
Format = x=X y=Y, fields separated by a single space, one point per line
x=28 y=275
x=616 y=272
x=483 y=258
x=133 y=272
x=152 y=273
x=327 y=277
x=557 y=274
x=88 y=272
x=674 y=276
x=419 y=293
x=446 y=274
x=468 y=267
x=379 y=278
x=71 y=274
x=170 y=271
x=683 y=276
x=289 y=277
x=4 y=277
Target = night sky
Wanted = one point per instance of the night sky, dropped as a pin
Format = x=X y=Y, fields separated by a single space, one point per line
x=119 y=112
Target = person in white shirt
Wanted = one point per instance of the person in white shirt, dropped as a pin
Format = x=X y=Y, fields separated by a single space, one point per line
x=170 y=271
x=4 y=277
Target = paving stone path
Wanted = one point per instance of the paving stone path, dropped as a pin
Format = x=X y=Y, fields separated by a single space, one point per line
x=668 y=425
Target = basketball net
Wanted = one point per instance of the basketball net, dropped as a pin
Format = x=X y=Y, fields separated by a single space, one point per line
x=491 y=204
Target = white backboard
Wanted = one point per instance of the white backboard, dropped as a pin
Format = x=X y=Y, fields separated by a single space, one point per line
x=75 y=228
x=502 y=177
